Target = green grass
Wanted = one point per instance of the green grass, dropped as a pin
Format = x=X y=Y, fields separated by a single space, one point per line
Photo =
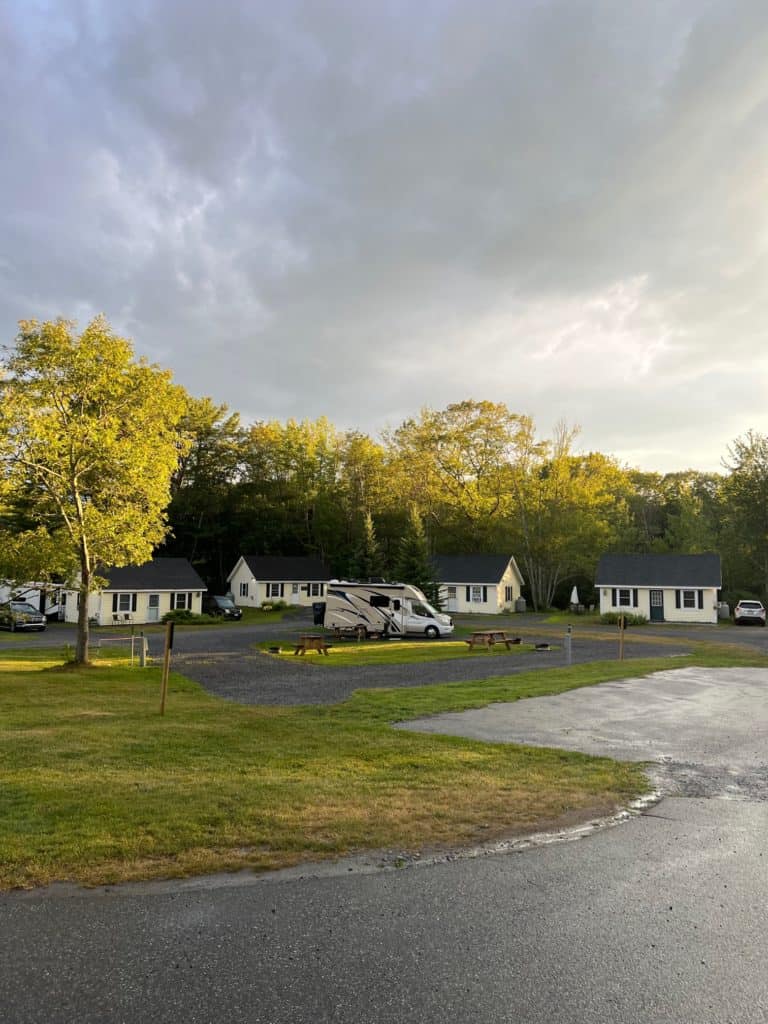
x=96 y=787
x=390 y=652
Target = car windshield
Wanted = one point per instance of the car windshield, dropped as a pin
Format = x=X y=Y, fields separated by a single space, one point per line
x=22 y=606
x=750 y=604
x=224 y=602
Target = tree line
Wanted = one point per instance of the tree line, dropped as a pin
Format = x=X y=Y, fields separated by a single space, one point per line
x=474 y=477
x=104 y=460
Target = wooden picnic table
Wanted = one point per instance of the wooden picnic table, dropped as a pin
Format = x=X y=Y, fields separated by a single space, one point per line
x=311 y=642
x=488 y=637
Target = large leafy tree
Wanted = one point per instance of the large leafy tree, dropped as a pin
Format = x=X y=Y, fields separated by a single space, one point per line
x=745 y=510
x=89 y=439
x=414 y=564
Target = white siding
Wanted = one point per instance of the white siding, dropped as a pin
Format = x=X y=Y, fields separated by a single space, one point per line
x=100 y=606
x=495 y=595
x=707 y=614
x=259 y=591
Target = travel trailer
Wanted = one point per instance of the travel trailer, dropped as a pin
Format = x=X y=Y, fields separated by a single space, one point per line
x=384 y=609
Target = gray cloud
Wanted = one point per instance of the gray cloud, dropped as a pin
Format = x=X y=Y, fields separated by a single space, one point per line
x=358 y=209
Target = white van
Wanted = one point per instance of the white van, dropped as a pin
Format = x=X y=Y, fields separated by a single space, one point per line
x=387 y=609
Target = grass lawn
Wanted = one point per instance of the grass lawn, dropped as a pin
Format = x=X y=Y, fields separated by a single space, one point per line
x=96 y=787
x=390 y=652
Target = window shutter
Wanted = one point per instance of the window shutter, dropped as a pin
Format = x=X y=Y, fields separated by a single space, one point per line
x=173 y=601
x=282 y=590
x=485 y=595
x=701 y=599
x=635 y=598
x=133 y=602
x=469 y=593
x=614 y=596
x=322 y=589
x=114 y=602
x=189 y=600
x=677 y=599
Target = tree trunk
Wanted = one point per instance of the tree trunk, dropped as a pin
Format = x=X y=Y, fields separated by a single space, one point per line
x=81 y=651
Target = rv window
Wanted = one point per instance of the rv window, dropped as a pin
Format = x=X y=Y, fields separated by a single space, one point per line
x=396 y=605
x=379 y=601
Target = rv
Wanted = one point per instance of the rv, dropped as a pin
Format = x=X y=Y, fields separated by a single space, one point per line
x=384 y=609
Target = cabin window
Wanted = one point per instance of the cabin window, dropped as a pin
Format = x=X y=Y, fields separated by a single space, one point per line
x=294 y=588
x=509 y=594
x=243 y=590
x=179 y=601
x=477 y=595
x=316 y=589
x=624 y=598
x=451 y=591
x=273 y=590
x=689 y=599
x=124 y=602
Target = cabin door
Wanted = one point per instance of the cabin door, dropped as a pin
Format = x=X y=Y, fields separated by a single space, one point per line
x=657 y=606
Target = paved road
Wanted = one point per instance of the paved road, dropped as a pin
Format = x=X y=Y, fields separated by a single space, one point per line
x=661 y=920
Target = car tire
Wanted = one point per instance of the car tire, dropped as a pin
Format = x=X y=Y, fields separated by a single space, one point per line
x=432 y=632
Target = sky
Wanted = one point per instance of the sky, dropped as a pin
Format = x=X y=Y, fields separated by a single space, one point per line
x=358 y=209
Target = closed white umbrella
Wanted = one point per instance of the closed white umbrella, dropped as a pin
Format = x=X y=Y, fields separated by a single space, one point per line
x=574 y=596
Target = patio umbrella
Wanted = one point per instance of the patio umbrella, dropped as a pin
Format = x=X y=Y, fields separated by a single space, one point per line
x=574 y=596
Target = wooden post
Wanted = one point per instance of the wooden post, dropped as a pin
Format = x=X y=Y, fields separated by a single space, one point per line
x=166 y=665
x=622 y=622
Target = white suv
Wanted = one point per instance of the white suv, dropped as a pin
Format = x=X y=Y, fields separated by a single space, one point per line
x=749 y=611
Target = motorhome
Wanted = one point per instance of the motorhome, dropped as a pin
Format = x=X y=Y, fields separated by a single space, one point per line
x=384 y=609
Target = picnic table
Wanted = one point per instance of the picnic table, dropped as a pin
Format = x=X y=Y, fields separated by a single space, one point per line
x=488 y=637
x=311 y=642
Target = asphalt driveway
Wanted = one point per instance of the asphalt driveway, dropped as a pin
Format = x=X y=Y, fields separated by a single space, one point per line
x=704 y=731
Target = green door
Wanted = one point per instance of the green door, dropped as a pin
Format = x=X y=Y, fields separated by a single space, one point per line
x=657 y=606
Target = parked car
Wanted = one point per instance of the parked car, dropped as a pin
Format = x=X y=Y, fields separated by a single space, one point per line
x=220 y=604
x=20 y=615
x=749 y=611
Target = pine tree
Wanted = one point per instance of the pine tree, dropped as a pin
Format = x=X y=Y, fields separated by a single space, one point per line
x=413 y=563
x=367 y=559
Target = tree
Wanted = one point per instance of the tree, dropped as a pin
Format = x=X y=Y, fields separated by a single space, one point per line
x=413 y=564
x=745 y=508
x=367 y=560
x=566 y=509
x=454 y=466
x=89 y=438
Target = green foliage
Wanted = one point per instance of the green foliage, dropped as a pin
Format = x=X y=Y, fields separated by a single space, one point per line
x=367 y=559
x=612 y=619
x=88 y=443
x=189 y=618
x=276 y=605
x=413 y=563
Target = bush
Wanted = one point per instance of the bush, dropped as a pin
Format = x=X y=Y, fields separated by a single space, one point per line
x=612 y=619
x=188 y=618
x=273 y=606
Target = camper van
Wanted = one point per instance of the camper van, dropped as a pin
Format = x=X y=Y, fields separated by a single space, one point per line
x=386 y=609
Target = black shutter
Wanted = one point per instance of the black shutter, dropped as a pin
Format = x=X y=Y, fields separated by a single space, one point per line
x=282 y=589
x=114 y=602
x=133 y=602
x=189 y=600
x=614 y=602
x=701 y=599
x=485 y=595
x=635 y=601
x=677 y=599
x=322 y=589
x=469 y=593
x=173 y=601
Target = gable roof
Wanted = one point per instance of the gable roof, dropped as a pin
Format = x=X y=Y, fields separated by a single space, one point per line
x=659 y=571
x=286 y=568
x=158 y=574
x=473 y=568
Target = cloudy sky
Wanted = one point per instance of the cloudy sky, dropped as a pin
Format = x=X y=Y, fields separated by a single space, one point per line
x=358 y=208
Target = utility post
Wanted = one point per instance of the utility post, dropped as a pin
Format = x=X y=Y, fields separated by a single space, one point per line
x=569 y=645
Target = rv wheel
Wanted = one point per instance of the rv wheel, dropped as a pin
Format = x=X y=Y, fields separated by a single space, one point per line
x=432 y=632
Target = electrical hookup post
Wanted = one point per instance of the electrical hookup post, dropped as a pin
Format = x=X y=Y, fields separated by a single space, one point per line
x=568 y=645
x=166 y=664
x=622 y=627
